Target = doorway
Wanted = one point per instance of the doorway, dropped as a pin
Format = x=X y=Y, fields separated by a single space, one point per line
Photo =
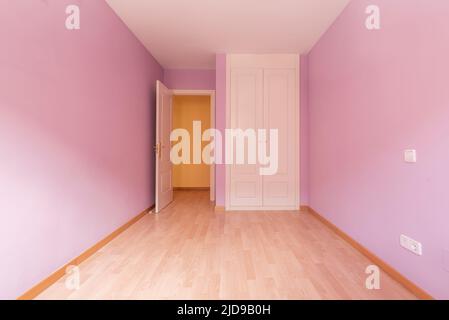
x=189 y=106
x=186 y=111
x=178 y=109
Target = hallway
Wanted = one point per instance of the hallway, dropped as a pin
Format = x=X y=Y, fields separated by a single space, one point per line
x=190 y=251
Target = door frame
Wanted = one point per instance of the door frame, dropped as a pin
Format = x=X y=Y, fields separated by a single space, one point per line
x=211 y=94
x=266 y=61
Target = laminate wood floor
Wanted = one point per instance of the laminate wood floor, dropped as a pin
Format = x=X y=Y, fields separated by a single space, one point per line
x=189 y=251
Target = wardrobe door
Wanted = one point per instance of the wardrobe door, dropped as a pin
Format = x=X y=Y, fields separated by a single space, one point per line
x=280 y=88
x=246 y=112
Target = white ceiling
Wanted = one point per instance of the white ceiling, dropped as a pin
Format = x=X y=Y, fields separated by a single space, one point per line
x=186 y=34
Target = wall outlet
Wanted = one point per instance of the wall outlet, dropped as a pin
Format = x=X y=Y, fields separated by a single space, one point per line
x=411 y=245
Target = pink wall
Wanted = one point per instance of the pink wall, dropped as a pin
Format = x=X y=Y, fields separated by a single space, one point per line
x=76 y=112
x=190 y=79
x=373 y=94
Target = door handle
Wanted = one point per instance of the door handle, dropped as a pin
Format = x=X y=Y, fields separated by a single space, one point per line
x=157 y=149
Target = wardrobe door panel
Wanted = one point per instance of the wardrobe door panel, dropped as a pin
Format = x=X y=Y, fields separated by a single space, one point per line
x=280 y=113
x=246 y=113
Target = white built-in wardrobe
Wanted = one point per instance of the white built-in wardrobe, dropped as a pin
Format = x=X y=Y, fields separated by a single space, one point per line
x=263 y=93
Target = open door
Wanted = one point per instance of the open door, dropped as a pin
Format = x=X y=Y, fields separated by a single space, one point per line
x=164 y=186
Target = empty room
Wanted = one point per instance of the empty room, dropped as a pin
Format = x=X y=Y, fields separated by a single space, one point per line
x=238 y=150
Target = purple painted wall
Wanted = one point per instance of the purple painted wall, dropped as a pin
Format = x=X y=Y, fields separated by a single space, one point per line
x=190 y=79
x=76 y=112
x=373 y=94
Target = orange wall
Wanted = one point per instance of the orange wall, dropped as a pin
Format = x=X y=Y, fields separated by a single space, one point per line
x=187 y=109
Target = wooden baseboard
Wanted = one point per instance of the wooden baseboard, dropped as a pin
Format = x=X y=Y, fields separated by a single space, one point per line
x=191 y=189
x=58 y=274
x=219 y=208
x=417 y=291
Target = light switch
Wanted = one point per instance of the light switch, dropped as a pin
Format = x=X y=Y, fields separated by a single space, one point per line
x=410 y=156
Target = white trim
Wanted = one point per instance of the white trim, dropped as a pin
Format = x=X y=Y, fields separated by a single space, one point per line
x=182 y=92
x=211 y=94
x=298 y=131
x=228 y=123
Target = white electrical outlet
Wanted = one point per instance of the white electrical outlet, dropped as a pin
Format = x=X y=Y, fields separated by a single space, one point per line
x=411 y=245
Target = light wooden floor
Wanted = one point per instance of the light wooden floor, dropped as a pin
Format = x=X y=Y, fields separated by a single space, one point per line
x=188 y=251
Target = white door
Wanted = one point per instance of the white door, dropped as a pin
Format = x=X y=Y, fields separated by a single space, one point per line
x=246 y=113
x=279 y=190
x=164 y=186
